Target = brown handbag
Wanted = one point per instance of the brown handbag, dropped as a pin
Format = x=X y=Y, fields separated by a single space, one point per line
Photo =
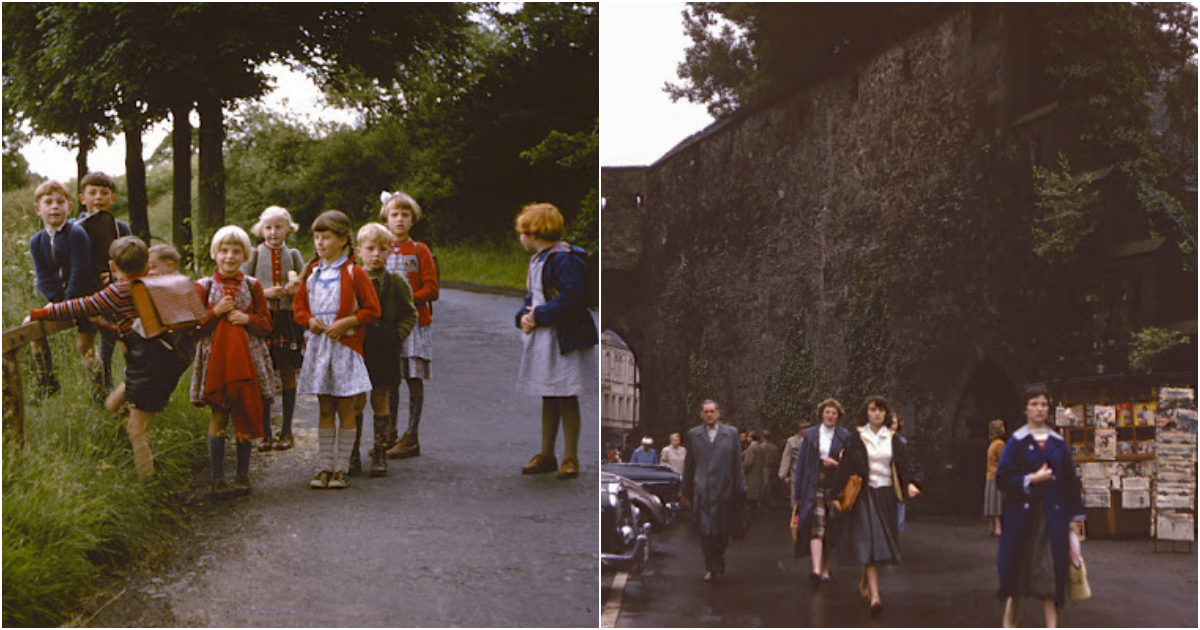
x=166 y=303
x=849 y=494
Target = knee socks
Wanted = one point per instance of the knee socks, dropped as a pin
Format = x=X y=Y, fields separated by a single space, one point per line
x=266 y=420
x=393 y=409
x=550 y=414
x=381 y=444
x=325 y=451
x=358 y=424
x=216 y=455
x=289 y=408
x=345 y=440
x=569 y=408
x=416 y=400
x=243 y=459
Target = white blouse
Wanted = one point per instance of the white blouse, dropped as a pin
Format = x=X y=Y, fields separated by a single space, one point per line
x=826 y=440
x=879 y=456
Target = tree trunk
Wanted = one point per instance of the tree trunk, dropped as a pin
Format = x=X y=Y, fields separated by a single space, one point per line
x=135 y=175
x=81 y=162
x=212 y=168
x=181 y=204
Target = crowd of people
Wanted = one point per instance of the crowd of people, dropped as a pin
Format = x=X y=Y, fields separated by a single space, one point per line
x=345 y=332
x=848 y=488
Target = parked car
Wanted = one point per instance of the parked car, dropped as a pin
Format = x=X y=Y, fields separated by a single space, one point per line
x=659 y=480
x=624 y=536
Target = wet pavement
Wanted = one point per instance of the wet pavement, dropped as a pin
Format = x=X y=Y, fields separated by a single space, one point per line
x=947 y=579
x=455 y=537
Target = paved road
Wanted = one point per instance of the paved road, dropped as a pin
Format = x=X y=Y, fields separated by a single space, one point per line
x=455 y=537
x=947 y=580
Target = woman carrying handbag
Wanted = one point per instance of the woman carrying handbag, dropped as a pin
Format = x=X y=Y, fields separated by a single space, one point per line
x=879 y=457
x=1042 y=504
x=813 y=488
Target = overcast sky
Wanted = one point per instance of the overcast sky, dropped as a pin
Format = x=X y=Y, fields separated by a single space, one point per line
x=641 y=44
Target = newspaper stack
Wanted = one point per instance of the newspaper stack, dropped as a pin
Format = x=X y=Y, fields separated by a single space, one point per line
x=1175 y=487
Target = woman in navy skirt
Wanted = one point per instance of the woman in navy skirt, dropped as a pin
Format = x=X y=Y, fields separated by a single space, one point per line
x=1042 y=504
x=880 y=458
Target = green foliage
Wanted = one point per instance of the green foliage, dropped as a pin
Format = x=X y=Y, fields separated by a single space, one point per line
x=868 y=341
x=1148 y=345
x=720 y=68
x=795 y=386
x=584 y=230
x=501 y=265
x=697 y=386
x=1066 y=209
x=1110 y=61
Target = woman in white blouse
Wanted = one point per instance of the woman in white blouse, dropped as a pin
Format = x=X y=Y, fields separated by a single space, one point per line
x=879 y=457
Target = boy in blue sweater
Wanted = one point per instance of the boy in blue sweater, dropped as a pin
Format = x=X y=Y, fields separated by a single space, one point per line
x=62 y=271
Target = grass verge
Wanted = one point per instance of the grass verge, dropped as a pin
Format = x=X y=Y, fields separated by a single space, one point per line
x=489 y=264
x=73 y=505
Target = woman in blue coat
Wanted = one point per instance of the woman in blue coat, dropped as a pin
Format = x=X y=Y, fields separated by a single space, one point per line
x=1042 y=504
x=813 y=489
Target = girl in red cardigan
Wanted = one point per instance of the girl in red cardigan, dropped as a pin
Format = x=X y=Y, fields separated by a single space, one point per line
x=233 y=373
x=334 y=304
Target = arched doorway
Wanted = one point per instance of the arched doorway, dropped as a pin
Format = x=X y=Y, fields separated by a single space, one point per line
x=989 y=394
x=620 y=395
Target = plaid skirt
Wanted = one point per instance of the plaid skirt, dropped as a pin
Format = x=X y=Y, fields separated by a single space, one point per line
x=817 y=525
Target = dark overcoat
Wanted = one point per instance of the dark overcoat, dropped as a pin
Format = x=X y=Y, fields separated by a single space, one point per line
x=806 y=474
x=1061 y=504
x=712 y=475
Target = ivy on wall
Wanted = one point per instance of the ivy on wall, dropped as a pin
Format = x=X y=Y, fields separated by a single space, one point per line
x=697 y=388
x=795 y=386
x=1066 y=208
x=868 y=342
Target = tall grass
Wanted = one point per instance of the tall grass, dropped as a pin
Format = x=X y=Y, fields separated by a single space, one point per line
x=500 y=265
x=73 y=505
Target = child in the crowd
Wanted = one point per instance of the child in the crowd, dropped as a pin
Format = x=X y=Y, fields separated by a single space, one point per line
x=152 y=369
x=62 y=270
x=335 y=302
x=164 y=260
x=559 y=334
x=385 y=337
x=233 y=373
x=278 y=268
x=97 y=193
x=400 y=212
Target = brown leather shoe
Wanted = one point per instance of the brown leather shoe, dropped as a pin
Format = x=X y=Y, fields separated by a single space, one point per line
x=540 y=464
x=408 y=446
x=285 y=442
x=569 y=469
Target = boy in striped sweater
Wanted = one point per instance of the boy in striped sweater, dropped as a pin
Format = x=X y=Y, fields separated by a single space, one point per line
x=152 y=368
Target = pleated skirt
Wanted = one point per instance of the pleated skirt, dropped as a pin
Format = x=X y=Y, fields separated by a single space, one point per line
x=871 y=536
x=992 y=499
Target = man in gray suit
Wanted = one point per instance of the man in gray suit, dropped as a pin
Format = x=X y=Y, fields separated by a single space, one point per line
x=712 y=476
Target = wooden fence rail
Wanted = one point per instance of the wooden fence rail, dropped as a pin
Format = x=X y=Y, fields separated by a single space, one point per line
x=13 y=390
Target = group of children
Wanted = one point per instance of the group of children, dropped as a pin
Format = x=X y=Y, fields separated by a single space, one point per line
x=261 y=304
x=330 y=328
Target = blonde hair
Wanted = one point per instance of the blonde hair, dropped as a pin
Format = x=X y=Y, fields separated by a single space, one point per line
x=51 y=186
x=163 y=251
x=230 y=234
x=402 y=201
x=540 y=220
x=375 y=233
x=270 y=213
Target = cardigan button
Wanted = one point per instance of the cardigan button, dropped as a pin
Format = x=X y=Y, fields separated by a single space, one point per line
x=1026 y=506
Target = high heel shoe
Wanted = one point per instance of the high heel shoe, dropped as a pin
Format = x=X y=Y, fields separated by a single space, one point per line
x=876 y=607
x=815 y=578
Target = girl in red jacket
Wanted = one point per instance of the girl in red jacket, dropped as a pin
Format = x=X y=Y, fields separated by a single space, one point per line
x=334 y=304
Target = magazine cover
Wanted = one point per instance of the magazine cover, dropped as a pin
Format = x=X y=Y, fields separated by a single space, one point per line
x=1105 y=416
x=1124 y=414
x=1106 y=444
x=1144 y=414
x=1065 y=417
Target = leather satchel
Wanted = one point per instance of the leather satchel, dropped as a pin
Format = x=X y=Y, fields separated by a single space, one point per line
x=845 y=500
x=166 y=303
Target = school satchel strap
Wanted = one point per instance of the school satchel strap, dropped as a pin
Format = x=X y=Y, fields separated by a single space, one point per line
x=166 y=303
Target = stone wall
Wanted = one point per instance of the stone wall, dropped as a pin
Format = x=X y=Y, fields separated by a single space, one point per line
x=903 y=179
